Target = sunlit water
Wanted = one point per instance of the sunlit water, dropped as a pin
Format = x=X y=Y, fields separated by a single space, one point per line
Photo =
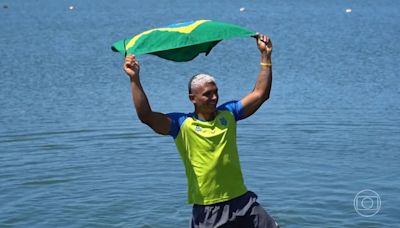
x=73 y=153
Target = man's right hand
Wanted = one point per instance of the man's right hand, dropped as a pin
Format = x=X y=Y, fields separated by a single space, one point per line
x=264 y=45
x=131 y=66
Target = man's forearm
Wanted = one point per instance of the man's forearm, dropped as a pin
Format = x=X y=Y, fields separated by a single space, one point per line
x=264 y=80
x=140 y=100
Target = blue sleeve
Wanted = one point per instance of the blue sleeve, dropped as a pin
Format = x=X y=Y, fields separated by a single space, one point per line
x=235 y=107
x=177 y=119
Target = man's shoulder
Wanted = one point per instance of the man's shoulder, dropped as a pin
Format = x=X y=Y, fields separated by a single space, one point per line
x=177 y=119
x=235 y=107
x=228 y=105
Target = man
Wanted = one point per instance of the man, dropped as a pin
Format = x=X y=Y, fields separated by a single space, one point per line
x=206 y=141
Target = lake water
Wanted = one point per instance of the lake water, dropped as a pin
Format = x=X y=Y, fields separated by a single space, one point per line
x=73 y=153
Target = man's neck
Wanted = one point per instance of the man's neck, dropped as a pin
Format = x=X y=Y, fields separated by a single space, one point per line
x=206 y=116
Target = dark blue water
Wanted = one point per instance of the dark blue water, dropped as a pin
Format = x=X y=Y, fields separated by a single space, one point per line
x=73 y=153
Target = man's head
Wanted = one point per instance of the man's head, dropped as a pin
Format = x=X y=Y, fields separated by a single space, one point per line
x=203 y=93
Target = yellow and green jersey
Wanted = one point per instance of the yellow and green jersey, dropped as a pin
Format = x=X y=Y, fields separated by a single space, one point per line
x=209 y=152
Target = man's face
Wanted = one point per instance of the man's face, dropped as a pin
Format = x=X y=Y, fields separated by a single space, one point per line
x=205 y=97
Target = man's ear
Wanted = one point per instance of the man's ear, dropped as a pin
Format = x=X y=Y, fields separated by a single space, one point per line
x=191 y=98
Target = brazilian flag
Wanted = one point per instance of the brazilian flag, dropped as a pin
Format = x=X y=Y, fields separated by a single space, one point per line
x=181 y=42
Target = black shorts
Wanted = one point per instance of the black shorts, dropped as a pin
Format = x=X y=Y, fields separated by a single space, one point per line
x=240 y=212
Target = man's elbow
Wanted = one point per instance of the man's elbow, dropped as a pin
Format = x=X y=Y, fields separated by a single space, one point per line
x=262 y=97
x=153 y=124
x=266 y=97
x=144 y=118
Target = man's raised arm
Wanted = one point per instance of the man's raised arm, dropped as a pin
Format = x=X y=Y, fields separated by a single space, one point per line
x=262 y=89
x=159 y=122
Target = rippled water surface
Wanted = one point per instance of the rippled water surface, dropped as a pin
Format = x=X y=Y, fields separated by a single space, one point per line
x=73 y=153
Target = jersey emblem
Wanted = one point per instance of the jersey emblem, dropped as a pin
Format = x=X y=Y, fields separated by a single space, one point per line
x=198 y=128
x=223 y=121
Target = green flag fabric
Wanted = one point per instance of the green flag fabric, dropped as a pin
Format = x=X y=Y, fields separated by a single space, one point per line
x=181 y=42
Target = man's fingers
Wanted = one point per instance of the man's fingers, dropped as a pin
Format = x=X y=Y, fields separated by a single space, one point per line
x=263 y=38
x=131 y=61
x=130 y=58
